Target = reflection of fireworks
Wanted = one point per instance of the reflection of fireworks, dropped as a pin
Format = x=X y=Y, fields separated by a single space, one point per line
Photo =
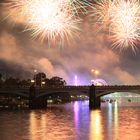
x=48 y=19
x=122 y=17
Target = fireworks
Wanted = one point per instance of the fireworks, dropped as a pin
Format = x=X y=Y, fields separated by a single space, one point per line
x=48 y=19
x=122 y=18
x=125 y=28
x=58 y=20
x=102 y=10
x=53 y=19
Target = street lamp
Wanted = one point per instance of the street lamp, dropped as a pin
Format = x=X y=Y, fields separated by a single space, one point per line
x=35 y=71
x=32 y=81
x=42 y=83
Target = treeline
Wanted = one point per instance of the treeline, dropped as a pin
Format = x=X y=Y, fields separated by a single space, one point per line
x=38 y=79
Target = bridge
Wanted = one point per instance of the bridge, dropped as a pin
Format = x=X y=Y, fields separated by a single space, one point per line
x=38 y=96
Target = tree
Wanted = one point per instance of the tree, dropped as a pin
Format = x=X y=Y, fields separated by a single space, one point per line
x=57 y=81
x=1 y=81
x=0 y=76
x=25 y=82
x=12 y=81
x=47 y=82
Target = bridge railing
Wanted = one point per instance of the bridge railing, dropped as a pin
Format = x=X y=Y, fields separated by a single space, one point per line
x=64 y=87
x=113 y=87
x=13 y=87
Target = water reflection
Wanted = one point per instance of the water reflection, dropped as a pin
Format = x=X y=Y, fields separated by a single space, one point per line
x=81 y=119
x=72 y=121
x=33 y=125
x=116 y=115
x=37 y=125
x=128 y=124
x=96 y=130
x=76 y=113
x=116 y=120
x=112 y=120
x=48 y=125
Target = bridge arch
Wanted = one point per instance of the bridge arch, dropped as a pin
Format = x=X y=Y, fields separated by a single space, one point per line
x=49 y=93
x=54 y=93
x=14 y=93
x=63 y=91
x=100 y=94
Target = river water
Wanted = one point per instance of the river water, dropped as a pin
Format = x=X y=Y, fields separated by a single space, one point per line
x=72 y=121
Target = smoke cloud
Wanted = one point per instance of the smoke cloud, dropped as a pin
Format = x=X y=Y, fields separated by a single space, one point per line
x=20 y=55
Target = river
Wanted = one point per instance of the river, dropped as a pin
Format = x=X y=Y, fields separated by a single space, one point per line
x=72 y=121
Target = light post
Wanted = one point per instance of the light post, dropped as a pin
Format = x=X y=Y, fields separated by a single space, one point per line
x=32 y=81
x=42 y=83
x=35 y=71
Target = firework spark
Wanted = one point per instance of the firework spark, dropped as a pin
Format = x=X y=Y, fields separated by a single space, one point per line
x=125 y=24
x=52 y=19
x=48 y=19
x=102 y=10
x=122 y=19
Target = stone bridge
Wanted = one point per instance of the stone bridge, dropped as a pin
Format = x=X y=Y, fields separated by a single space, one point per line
x=38 y=96
x=95 y=92
x=99 y=90
x=15 y=91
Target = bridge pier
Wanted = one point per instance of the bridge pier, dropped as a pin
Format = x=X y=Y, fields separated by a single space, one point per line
x=32 y=94
x=94 y=101
x=34 y=102
x=40 y=103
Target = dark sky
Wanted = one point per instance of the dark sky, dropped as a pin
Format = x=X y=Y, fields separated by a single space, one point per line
x=20 y=55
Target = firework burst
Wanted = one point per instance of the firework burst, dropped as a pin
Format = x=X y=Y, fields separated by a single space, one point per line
x=122 y=19
x=48 y=19
x=54 y=19
x=125 y=24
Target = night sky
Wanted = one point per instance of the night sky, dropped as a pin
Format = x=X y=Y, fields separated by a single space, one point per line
x=20 y=55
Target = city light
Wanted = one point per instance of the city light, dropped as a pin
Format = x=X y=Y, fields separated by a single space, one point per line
x=99 y=82
x=35 y=72
x=43 y=82
x=95 y=71
x=75 y=80
x=32 y=81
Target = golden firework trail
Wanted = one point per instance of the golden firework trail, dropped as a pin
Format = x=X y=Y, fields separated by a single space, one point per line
x=50 y=20
x=122 y=19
